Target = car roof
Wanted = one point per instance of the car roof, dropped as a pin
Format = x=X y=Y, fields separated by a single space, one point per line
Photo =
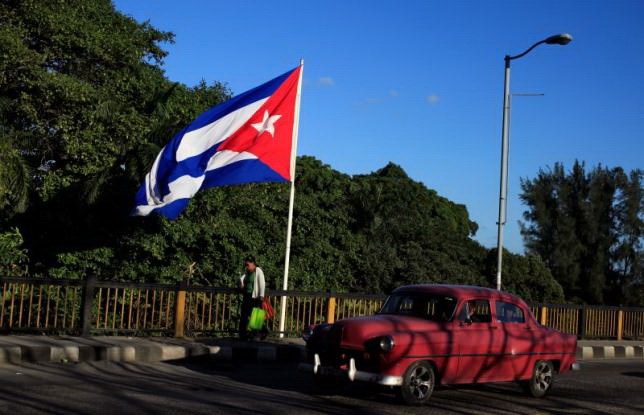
x=460 y=291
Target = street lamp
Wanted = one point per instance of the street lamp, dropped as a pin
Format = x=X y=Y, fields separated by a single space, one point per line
x=561 y=39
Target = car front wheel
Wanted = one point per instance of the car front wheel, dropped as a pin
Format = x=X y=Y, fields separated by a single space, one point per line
x=543 y=377
x=418 y=383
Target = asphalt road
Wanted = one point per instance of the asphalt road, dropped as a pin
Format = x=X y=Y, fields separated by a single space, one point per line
x=608 y=387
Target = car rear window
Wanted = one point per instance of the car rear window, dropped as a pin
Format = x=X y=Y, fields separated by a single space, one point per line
x=438 y=308
x=509 y=313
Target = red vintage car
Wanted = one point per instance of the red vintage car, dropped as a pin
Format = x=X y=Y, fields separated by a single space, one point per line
x=442 y=334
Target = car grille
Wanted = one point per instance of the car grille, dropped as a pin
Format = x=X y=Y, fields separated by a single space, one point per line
x=334 y=338
x=331 y=353
x=330 y=350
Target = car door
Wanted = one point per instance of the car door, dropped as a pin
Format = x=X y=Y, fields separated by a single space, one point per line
x=479 y=341
x=519 y=339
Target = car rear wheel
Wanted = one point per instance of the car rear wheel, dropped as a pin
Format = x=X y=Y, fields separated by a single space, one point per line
x=418 y=383
x=543 y=377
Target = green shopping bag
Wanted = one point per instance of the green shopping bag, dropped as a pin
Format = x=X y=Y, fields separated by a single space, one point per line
x=257 y=317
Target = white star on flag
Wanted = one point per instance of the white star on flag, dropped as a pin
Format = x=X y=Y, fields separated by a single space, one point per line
x=267 y=124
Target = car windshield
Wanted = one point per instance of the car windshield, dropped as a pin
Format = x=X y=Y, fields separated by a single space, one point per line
x=439 y=308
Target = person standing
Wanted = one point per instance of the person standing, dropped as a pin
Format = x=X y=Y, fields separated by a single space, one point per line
x=252 y=284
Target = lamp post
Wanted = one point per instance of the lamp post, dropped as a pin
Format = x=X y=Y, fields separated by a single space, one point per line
x=561 y=39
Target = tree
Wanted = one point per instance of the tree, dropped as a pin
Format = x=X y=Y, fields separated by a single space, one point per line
x=526 y=276
x=626 y=279
x=585 y=226
x=13 y=258
x=409 y=234
x=84 y=106
x=14 y=181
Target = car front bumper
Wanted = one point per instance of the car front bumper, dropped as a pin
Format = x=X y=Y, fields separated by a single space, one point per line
x=351 y=372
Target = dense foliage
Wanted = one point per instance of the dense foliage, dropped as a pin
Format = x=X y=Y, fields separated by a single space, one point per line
x=84 y=108
x=588 y=226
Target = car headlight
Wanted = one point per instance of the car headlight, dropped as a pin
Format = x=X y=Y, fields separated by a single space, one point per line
x=386 y=344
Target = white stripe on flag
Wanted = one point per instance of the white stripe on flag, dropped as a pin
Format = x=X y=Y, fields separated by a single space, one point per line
x=226 y=157
x=196 y=142
x=151 y=182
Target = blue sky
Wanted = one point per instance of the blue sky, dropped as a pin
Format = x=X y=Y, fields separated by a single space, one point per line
x=420 y=83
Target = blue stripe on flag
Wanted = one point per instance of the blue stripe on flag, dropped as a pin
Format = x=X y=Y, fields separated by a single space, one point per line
x=173 y=210
x=243 y=171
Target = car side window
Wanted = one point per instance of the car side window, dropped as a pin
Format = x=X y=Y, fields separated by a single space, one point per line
x=509 y=313
x=476 y=311
x=428 y=306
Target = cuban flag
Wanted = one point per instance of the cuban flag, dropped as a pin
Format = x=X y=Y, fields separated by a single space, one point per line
x=247 y=139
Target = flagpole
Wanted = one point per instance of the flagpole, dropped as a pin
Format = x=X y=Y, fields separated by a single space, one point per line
x=291 y=200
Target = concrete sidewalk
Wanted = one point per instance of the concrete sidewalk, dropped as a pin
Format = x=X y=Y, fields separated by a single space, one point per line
x=64 y=349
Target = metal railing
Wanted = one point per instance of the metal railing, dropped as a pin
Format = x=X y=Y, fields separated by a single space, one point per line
x=124 y=307
x=47 y=306
x=106 y=307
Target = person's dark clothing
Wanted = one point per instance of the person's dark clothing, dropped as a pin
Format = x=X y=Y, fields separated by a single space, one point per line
x=249 y=284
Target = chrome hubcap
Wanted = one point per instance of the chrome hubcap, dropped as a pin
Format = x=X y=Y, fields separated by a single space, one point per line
x=420 y=382
x=543 y=376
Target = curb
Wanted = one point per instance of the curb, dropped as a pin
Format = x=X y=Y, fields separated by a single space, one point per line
x=610 y=352
x=111 y=353
x=70 y=352
x=151 y=351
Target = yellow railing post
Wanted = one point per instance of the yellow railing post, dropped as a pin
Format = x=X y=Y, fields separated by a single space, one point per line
x=180 y=310
x=620 y=324
x=330 y=311
x=544 y=315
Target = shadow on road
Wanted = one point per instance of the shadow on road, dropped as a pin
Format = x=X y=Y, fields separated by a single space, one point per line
x=566 y=397
x=202 y=386
x=634 y=374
